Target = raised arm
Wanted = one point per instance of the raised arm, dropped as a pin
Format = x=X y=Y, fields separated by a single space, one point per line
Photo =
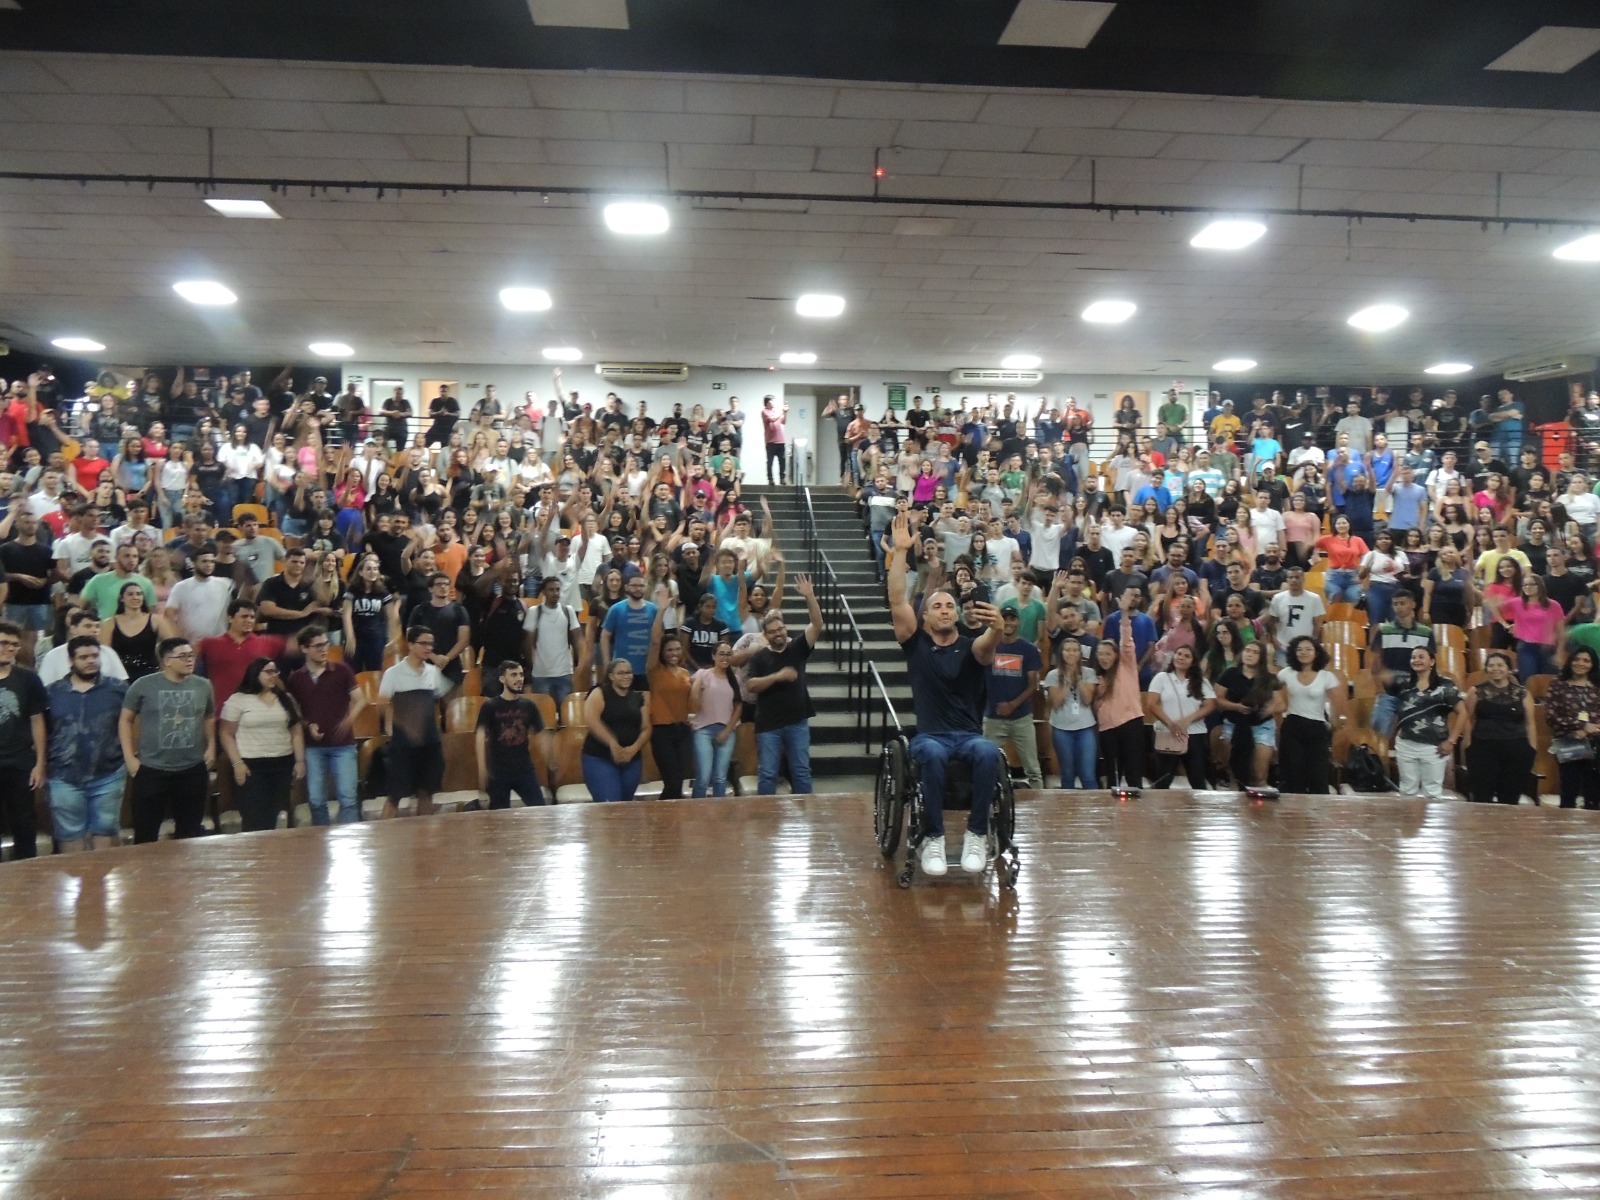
x=802 y=584
x=900 y=610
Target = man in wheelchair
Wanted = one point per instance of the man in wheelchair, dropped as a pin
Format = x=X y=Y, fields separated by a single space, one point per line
x=948 y=672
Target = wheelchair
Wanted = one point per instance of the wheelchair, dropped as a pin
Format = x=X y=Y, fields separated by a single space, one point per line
x=899 y=789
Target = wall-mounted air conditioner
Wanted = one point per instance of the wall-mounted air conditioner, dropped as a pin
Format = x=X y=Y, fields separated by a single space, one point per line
x=1550 y=367
x=642 y=372
x=995 y=377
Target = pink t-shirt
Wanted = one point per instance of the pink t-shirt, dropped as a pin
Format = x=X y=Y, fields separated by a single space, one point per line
x=772 y=421
x=1531 y=622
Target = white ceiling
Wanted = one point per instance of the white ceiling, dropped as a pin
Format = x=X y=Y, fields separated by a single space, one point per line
x=415 y=277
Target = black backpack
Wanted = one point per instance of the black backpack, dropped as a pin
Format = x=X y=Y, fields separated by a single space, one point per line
x=1364 y=772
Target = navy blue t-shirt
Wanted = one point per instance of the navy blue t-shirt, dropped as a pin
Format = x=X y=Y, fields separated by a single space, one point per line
x=948 y=684
x=1008 y=676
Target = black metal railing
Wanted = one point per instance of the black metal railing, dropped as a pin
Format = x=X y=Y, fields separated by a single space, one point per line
x=865 y=692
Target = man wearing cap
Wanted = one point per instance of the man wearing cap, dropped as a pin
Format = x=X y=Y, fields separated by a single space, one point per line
x=1306 y=452
x=559 y=564
x=1013 y=682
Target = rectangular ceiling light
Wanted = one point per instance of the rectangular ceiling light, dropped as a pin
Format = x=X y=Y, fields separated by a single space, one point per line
x=1067 y=24
x=1553 y=50
x=580 y=14
x=259 y=210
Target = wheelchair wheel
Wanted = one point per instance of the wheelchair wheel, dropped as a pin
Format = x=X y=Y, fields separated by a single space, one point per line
x=1007 y=862
x=889 y=796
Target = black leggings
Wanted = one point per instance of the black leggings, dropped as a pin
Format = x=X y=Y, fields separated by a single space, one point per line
x=1499 y=770
x=1122 y=748
x=673 y=747
x=1195 y=761
x=21 y=815
x=1305 y=756
x=776 y=452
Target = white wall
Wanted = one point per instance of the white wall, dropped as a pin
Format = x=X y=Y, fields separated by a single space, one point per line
x=711 y=386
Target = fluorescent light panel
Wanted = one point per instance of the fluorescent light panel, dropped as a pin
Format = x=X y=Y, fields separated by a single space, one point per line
x=331 y=349
x=207 y=292
x=525 y=299
x=580 y=14
x=78 y=345
x=797 y=358
x=1109 y=312
x=1230 y=366
x=636 y=218
x=1063 y=24
x=258 y=210
x=1448 y=368
x=567 y=354
x=1228 y=235
x=1552 y=50
x=1020 y=362
x=818 y=304
x=1584 y=249
x=1379 y=318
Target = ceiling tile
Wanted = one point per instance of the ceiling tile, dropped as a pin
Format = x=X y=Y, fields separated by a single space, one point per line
x=1048 y=110
x=95 y=109
x=618 y=93
x=1195 y=116
x=535 y=123
x=1469 y=128
x=1100 y=143
x=1341 y=153
x=207 y=112
x=123 y=75
x=744 y=158
x=1065 y=24
x=1509 y=159
x=955 y=135
x=911 y=104
x=680 y=127
x=757 y=99
x=395 y=118
x=1352 y=121
x=1008 y=166
x=469 y=89
x=1214 y=147
x=800 y=131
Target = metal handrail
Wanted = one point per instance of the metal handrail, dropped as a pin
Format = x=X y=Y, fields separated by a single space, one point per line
x=864 y=686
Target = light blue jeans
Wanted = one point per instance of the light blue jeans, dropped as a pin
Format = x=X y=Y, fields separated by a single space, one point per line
x=332 y=770
x=793 y=740
x=95 y=808
x=1077 y=754
x=1341 y=587
x=711 y=761
x=1380 y=601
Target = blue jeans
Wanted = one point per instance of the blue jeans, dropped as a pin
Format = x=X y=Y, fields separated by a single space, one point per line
x=793 y=740
x=95 y=808
x=1077 y=753
x=240 y=491
x=932 y=753
x=171 y=500
x=1533 y=659
x=607 y=782
x=330 y=771
x=557 y=687
x=1385 y=714
x=711 y=761
x=1340 y=587
x=1380 y=601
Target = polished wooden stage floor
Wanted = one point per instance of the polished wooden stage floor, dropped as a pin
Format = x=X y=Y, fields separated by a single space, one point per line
x=1187 y=996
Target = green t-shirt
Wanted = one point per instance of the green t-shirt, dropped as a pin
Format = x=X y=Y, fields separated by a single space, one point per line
x=1174 y=415
x=172 y=717
x=102 y=592
x=1585 y=635
x=1029 y=617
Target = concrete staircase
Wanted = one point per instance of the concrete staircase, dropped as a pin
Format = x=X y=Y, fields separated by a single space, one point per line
x=837 y=749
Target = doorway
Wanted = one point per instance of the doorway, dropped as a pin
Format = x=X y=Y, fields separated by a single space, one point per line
x=806 y=403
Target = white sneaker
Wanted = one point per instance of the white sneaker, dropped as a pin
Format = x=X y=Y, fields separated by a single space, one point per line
x=974 y=853
x=933 y=862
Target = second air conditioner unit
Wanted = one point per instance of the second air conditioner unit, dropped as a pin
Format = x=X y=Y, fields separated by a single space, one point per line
x=614 y=372
x=987 y=376
x=1552 y=367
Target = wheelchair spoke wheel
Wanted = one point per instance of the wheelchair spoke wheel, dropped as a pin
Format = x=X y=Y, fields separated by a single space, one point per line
x=889 y=797
x=1005 y=813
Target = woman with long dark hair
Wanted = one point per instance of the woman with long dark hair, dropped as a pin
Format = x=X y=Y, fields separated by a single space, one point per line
x=617 y=717
x=1181 y=699
x=1070 y=690
x=1500 y=734
x=1314 y=704
x=262 y=735
x=715 y=707
x=671 y=738
x=1250 y=697
x=133 y=633
x=371 y=616
x=1534 y=622
x=1432 y=716
x=1118 y=711
x=1572 y=710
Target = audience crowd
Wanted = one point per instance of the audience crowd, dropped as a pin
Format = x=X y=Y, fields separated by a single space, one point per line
x=207 y=580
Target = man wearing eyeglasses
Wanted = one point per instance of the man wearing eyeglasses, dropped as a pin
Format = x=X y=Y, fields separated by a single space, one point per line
x=168 y=732
x=330 y=701
x=408 y=697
